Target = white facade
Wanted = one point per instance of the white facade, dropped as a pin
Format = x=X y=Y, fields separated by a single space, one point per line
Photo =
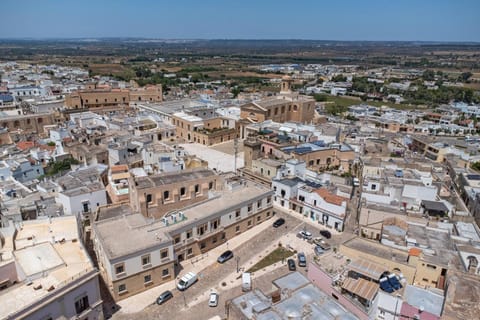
x=67 y=300
x=83 y=202
x=318 y=209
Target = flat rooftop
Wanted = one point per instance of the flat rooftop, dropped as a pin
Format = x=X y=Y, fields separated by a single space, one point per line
x=164 y=179
x=305 y=301
x=377 y=249
x=140 y=233
x=462 y=297
x=48 y=265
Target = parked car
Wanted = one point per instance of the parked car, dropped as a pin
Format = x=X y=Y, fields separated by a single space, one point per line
x=326 y=234
x=164 y=297
x=213 y=301
x=305 y=235
x=322 y=244
x=224 y=257
x=319 y=251
x=186 y=281
x=246 y=282
x=291 y=265
x=302 y=260
x=278 y=222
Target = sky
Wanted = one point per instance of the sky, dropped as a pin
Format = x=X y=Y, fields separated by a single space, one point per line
x=382 y=20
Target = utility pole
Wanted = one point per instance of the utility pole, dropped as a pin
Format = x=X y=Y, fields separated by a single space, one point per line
x=235 y=149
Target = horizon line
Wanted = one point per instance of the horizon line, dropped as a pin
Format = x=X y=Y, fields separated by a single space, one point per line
x=228 y=39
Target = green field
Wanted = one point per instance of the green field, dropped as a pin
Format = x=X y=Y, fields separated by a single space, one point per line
x=275 y=256
x=349 y=101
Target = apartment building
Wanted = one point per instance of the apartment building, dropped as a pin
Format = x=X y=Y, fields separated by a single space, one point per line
x=206 y=131
x=81 y=192
x=29 y=123
x=154 y=196
x=287 y=106
x=46 y=272
x=96 y=97
x=318 y=155
x=146 y=253
x=141 y=258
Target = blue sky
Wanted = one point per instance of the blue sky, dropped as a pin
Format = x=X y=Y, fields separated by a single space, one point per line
x=424 y=20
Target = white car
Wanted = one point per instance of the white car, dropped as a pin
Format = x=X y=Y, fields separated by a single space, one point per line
x=213 y=301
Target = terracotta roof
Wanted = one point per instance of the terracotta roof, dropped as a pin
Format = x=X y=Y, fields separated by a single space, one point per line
x=330 y=197
x=414 y=252
x=119 y=168
x=24 y=145
x=361 y=287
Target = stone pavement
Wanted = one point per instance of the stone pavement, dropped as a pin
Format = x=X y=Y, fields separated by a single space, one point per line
x=140 y=301
x=218 y=160
x=234 y=279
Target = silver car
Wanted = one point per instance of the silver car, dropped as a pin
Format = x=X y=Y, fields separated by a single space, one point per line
x=213 y=301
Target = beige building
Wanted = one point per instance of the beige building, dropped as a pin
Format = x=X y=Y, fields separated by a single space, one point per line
x=154 y=196
x=287 y=106
x=393 y=260
x=204 y=131
x=146 y=253
x=140 y=258
x=30 y=123
x=325 y=158
x=97 y=98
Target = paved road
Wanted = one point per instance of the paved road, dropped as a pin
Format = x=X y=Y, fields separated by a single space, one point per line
x=213 y=276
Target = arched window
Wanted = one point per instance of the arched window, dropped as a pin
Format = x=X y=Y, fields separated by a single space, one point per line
x=295 y=108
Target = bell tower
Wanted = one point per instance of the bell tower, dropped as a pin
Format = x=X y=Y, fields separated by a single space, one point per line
x=286 y=86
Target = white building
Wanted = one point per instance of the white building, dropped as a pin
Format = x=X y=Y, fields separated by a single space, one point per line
x=81 y=192
x=48 y=273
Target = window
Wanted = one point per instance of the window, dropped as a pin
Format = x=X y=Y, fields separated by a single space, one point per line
x=149 y=198
x=202 y=245
x=259 y=218
x=210 y=185
x=249 y=223
x=269 y=199
x=146 y=260
x=165 y=272
x=177 y=239
x=182 y=191
x=214 y=239
x=197 y=188
x=237 y=213
x=237 y=229
x=301 y=198
x=122 y=288
x=164 y=254
x=147 y=279
x=268 y=213
x=120 y=268
x=249 y=209
x=189 y=251
x=223 y=236
x=259 y=204
x=189 y=234
x=166 y=194
x=81 y=304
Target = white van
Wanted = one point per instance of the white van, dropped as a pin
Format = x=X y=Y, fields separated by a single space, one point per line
x=246 y=282
x=186 y=281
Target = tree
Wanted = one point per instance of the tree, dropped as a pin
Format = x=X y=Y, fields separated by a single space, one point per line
x=320 y=97
x=428 y=75
x=475 y=166
x=236 y=91
x=465 y=76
